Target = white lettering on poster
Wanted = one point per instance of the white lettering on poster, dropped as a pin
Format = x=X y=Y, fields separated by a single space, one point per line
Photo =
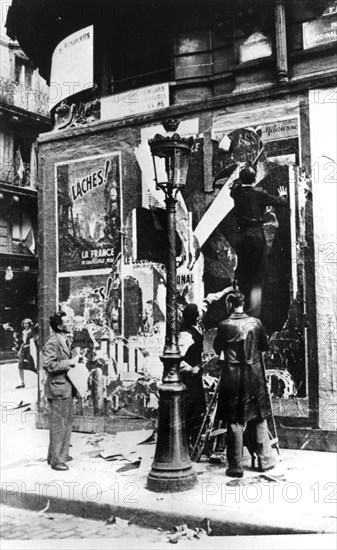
x=89 y=182
x=134 y=102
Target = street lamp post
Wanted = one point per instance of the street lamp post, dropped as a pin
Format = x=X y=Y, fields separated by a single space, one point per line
x=171 y=468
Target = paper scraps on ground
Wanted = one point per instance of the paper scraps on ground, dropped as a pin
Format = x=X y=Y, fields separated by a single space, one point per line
x=133 y=466
x=109 y=456
x=254 y=480
x=151 y=439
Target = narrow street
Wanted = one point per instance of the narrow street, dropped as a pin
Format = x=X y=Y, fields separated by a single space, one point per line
x=19 y=527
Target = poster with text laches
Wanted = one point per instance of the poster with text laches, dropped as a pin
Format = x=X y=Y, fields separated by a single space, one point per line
x=89 y=212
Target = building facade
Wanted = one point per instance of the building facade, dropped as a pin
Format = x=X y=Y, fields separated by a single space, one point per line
x=250 y=81
x=23 y=115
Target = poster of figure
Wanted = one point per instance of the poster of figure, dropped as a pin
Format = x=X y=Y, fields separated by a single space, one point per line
x=94 y=302
x=89 y=212
x=144 y=310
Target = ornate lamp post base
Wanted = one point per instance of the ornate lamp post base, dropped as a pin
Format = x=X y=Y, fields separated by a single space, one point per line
x=172 y=468
x=171 y=484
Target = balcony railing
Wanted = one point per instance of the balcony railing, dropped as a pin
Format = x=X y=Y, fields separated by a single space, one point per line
x=14 y=246
x=34 y=100
x=9 y=175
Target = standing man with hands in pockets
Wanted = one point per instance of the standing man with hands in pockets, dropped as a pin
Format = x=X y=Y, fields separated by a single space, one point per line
x=56 y=361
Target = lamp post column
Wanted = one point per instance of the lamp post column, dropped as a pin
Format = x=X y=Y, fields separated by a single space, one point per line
x=171 y=337
x=172 y=468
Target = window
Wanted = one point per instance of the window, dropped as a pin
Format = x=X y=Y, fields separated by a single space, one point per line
x=24 y=72
x=4 y=235
x=139 y=51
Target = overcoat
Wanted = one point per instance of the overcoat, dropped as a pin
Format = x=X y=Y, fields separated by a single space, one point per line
x=243 y=393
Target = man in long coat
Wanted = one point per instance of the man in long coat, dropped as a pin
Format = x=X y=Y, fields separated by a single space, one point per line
x=243 y=400
x=57 y=360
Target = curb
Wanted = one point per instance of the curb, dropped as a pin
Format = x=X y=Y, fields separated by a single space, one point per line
x=150 y=518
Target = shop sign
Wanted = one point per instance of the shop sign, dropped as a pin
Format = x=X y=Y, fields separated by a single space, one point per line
x=89 y=212
x=134 y=102
x=319 y=32
x=68 y=76
x=282 y=129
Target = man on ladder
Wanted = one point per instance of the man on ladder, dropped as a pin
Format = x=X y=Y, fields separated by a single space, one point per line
x=243 y=398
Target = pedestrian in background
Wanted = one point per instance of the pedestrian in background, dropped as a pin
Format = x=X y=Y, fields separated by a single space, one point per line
x=243 y=401
x=56 y=361
x=23 y=342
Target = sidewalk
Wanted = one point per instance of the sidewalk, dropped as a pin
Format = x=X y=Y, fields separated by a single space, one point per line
x=303 y=502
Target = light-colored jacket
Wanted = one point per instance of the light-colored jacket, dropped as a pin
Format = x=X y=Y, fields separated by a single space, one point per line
x=56 y=355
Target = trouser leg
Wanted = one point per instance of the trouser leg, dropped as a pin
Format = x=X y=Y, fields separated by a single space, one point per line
x=259 y=435
x=21 y=371
x=60 y=420
x=235 y=446
x=192 y=426
x=194 y=429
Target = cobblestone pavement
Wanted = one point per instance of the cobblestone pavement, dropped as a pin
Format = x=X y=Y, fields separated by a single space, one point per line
x=18 y=524
x=26 y=530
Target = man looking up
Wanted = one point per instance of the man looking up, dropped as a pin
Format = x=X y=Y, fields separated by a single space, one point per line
x=59 y=391
x=243 y=401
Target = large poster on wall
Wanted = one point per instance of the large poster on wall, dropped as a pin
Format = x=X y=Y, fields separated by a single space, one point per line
x=95 y=298
x=271 y=144
x=89 y=212
x=94 y=303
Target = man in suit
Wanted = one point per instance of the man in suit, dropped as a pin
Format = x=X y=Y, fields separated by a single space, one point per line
x=57 y=360
x=243 y=401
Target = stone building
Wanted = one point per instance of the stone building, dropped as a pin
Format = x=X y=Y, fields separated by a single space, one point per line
x=250 y=81
x=23 y=115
